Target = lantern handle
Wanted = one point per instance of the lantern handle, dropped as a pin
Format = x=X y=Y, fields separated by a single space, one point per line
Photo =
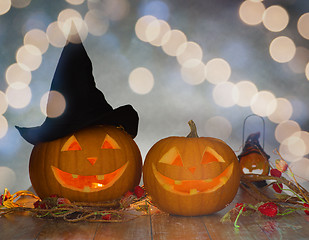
x=243 y=129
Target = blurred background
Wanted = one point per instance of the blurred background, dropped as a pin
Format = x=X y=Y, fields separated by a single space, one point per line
x=215 y=62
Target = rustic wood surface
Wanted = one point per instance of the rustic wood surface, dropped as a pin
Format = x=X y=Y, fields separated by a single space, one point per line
x=160 y=225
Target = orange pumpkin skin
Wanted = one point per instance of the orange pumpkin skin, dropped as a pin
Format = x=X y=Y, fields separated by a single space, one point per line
x=194 y=183
x=99 y=163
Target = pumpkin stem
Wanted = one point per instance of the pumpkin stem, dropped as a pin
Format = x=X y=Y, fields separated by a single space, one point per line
x=193 y=133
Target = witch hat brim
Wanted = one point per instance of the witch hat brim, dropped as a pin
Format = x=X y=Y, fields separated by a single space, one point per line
x=85 y=104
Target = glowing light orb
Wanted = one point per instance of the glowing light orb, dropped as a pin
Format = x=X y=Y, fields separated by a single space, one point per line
x=141 y=80
x=275 y=18
x=245 y=91
x=224 y=94
x=20 y=3
x=300 y=169
x=18 y=95
x=37 y=38
x=97 y=23
x=302 y=25
x=7 y=178
x=286 y=129
x=282 y=49
x=141 y=27
x=218 y=127
x=172 y=40
x=3 y=103
x=217 y=71
x=5 y=6
x=17 y=73
x=262 y=103
x=29 y=56
x=307 y=71
x=164 y=27
x=4 y=126
x=283 y=110
x=75 y=2
x=55 y=35
x=193 y=71
x=251 y=12
x=189 y=50
x=56 y=104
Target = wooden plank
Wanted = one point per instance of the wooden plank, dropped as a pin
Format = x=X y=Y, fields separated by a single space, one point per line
x=20 y=226
x=136 y=229
x=165 y=226
x=60 y=229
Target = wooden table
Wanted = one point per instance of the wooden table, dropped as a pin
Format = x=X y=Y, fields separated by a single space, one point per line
x=161 y=226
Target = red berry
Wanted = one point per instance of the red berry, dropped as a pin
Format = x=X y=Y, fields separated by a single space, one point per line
x=37 y=204
x=278 y=187
x=306 y=205
x=240 y=206
x=275 y=173
x=107 y=217
x=269 y=209
x=139 y=191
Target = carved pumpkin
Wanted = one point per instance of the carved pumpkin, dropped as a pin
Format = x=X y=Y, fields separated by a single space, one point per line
x=99 y=163
x=191 y=175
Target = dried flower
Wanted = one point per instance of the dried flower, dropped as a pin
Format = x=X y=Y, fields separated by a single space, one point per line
x=275 y=173
x=281 y=165
x=269 y=209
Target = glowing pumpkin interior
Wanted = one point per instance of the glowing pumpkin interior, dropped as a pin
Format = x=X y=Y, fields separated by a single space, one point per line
x=192 y=186
x=92 y=183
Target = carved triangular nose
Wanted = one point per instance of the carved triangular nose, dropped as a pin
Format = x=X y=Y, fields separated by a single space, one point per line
x=92 y=160
x=192 y=169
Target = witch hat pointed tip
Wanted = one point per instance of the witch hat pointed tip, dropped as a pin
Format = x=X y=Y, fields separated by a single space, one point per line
x=73 y=35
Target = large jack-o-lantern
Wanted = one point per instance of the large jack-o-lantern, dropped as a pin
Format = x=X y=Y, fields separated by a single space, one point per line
x=191 y=176
x=98 y=163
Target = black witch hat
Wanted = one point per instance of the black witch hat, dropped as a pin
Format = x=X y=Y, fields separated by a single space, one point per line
x=85 y=104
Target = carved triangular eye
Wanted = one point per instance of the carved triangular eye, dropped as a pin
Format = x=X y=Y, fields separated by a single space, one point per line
x=210 y=155
x=71 y=145
x=172 y=157
x=109 y=143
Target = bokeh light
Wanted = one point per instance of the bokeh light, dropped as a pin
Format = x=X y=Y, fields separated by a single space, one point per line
x=3 y=103
x=18 y=95
x=4 y=126
x=164 y=28
x=275 y=18
x=52 y=104
x=218 y=127
x=189 y=50
x=55 y=35
x=7 y=178
x=302 y=25
x=307 y=71
x=193 y=71
x=74 y=34
x=16 y=73
x=37 y=38
x=5 y=6
x=29 y=56
x=263 y=104
x=217 y=70
x=224 y=94
x=300 y=170
x=172 y=40
x=282 y=49
x=299 y=61
x=75 y=2
x=141 y=80
x=20 y=3
x=283 y=111
x=251 y=12
x=97 y=23
x=292 y=145
x=141 y=28
x=286 y=129
x=245 y=90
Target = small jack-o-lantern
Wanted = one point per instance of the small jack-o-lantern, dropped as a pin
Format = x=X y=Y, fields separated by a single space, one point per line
x=191 y=175
x=99 y=163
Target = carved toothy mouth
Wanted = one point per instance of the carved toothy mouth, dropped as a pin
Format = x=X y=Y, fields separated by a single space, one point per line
x=192 y=187
x=92 y=183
